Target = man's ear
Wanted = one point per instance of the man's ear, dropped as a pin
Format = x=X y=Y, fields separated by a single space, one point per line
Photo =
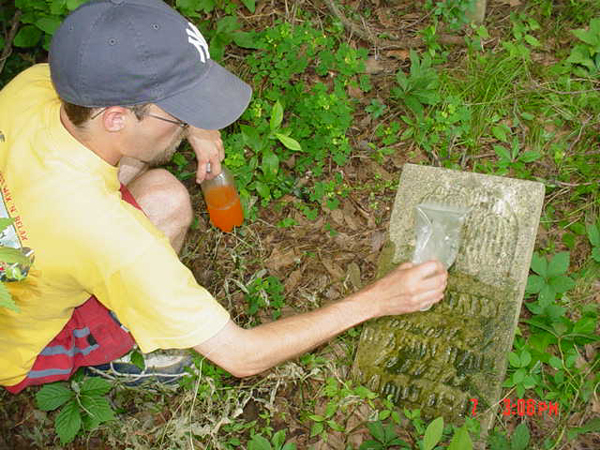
x=114 y=118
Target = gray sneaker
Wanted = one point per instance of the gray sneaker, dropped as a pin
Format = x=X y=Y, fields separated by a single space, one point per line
x=160 y=366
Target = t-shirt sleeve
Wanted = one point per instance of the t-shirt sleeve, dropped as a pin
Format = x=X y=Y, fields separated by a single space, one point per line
x=157 y=298
x=140 y=278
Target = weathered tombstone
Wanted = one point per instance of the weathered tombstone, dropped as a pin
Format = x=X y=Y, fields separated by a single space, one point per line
x=441 y=359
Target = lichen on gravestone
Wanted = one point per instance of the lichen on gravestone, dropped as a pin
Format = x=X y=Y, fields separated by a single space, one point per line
x=440 y=359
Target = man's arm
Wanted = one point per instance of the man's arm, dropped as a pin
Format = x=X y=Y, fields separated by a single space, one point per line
x=208 y=147
x=245 y=352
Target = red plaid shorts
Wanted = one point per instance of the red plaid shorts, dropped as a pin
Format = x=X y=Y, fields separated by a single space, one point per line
x=91 y=337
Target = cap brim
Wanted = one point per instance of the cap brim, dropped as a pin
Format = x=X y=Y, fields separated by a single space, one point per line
x=217 y=100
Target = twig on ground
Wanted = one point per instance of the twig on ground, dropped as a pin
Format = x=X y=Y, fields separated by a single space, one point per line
x=556 y=194
x=565 y=184
x=395 y=42
x=485 y=155
x=14 y=27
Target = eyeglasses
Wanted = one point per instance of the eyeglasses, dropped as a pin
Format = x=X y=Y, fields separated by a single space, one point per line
x=100 y=111
x=176 y=122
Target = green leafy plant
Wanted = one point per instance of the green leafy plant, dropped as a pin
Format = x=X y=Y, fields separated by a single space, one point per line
x=265 y=162
x=193 y=8
x=447 y=126
x=269 y=182
x=433 y=433
x=384 y=437
x=179 y=166
x=376 y=108
x=512 y=158
x=389 y=134
x=452 y=12
x=340 y=397
x=264 y=292
x=587 y=55
x=461 y=440
x=228 y=30
x=82 y=407
x=523 y=376
x=549 y=361
x=593 y=233
x=592 y=426
x=277 y=132
x=14 y=266
x=549 y=280
x=475 y=41
x=557 y=342
x=518 y=441
x=40 y=19
x=523 y=28
x=414 y=415
x=277 y=442
x=420 y=87
x=431 y=38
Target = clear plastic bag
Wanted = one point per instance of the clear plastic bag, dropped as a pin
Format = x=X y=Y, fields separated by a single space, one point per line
x=437 y=231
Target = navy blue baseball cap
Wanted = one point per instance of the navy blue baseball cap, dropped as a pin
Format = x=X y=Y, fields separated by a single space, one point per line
x=130 y=52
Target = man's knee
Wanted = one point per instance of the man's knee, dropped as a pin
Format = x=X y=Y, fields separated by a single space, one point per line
x=163 y=198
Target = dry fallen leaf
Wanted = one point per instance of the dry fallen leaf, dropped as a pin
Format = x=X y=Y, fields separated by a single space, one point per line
x=590 y=351
x=352 y=221
x=401 y=54
x=377 y=241
x=385 y=18
x=512 y=3
x=338 y=216
x=355 y=92
x=280 y=258
x=373 y=66
x=334 y=270
x=356 y=422
x=332 y=293
x=293 y=279
x=354 y=275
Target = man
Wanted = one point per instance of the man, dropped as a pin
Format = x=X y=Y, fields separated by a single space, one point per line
x=127 y=80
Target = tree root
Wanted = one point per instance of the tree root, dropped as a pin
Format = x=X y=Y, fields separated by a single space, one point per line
x=394 y=42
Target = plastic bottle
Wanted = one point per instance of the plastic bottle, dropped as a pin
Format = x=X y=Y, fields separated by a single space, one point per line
x=223 y=201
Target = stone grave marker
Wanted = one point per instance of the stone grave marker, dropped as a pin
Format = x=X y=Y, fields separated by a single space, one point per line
x=439 y=360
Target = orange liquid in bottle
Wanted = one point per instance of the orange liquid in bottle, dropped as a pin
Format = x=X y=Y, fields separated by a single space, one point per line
x=224 y=208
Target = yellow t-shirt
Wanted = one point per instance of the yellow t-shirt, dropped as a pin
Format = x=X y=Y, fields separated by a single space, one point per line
x=87 y=240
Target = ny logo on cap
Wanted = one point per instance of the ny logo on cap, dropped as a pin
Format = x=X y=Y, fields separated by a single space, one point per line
x=197 y=40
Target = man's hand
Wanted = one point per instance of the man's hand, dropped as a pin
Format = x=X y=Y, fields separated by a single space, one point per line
x=208 y=146
x=409 y=288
